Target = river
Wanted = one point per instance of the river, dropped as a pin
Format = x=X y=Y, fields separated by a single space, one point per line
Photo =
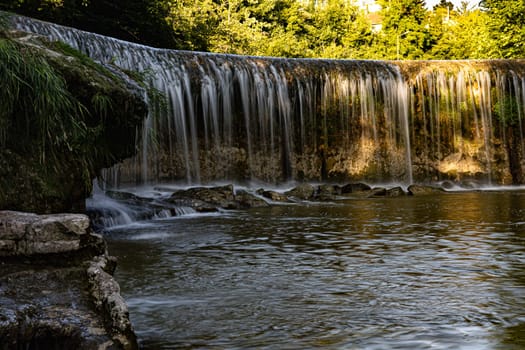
x=425 y=272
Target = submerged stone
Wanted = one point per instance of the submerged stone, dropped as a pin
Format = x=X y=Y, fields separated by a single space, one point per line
x=377 y=192
x=221 y=196
x=391 y=192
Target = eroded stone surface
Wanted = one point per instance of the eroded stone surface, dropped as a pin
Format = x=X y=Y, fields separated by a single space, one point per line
x=26 y=234
x=56 y=287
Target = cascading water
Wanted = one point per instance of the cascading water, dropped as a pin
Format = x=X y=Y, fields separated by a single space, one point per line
x=241 y=118
x=410 y=272
x=467 y=119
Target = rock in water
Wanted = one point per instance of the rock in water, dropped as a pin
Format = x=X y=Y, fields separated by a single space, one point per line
x=303 y=191
x=417 y=190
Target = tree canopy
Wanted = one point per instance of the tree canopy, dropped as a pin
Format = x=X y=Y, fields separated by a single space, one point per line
x=401 y=29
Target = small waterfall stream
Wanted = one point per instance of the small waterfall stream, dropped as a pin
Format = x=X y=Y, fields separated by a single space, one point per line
x=240 y=118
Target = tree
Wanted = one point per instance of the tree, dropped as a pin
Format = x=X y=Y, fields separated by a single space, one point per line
x=192 y=22
x=461 y=36
x=338 y=30
x=288 y=29
x=139 y=21
x=507 y=26
x=404 y=34
x=444 y=4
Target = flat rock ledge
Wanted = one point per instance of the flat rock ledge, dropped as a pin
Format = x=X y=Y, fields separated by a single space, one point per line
x=56 y=286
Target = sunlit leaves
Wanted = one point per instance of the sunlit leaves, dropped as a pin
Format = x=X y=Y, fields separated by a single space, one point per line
x=301 y=28
x=507 y=25
x=464 y=36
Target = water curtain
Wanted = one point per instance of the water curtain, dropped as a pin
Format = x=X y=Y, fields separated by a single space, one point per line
x=240 y=118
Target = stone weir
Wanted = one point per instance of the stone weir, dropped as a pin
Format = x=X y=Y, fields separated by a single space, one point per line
x=237 y=118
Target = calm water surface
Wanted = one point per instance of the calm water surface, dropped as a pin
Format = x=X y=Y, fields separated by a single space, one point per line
x=439 y=272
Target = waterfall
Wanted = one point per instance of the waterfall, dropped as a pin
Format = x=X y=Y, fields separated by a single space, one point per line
x=240 y=118
x=466 y=112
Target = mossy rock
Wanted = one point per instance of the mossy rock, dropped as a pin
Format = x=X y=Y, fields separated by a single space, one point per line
x=39 y=173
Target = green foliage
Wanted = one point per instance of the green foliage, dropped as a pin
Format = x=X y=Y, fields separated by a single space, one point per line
x=140 y=21
x=102 y=104
x=461 y=36
x=292 y=28
x=444 y=4
x=191 y=22
x=67 y=50
x=35 y=106
x=404 y=32
x=59 y=123
x=506 y=110
x=507 y=26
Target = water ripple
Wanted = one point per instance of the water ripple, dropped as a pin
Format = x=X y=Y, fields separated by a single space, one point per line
x=365 y=274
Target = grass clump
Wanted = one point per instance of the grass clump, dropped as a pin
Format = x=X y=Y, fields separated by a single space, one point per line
x=36 y=109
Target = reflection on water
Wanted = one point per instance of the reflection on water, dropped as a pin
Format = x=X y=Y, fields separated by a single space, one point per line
x=440 y=272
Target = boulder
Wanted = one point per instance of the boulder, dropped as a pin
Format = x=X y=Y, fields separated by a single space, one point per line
x=222 y=196
x=206 y=199
x=273 y=196
x=27 y=234
x=248 y=200
x=196 y=204
x=355 y=187
x=303 y=191
x=105 y=292
x=418 y=190
x=56 y=286
x=391 y=192
x=377 y=192
x=396 y=192
x=327 y=192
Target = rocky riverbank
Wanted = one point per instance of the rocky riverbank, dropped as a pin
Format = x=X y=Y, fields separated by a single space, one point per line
x=56 y=286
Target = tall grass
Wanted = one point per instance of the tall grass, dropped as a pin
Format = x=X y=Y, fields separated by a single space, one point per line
x=36 y=109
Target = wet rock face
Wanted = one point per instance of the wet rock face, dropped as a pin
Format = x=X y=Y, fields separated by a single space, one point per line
x=206 y=199
x=56 y=287
x=47 y=308
x=303 y=191
x=424 y=189
x=105 y=293
x=27 y=234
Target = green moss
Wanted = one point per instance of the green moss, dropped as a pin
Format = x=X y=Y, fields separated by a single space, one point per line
x=506 y=110
x=83 y=59
x=59 y=124
x=36 y=109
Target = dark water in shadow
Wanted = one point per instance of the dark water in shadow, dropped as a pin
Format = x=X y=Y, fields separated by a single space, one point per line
x=438 y=272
